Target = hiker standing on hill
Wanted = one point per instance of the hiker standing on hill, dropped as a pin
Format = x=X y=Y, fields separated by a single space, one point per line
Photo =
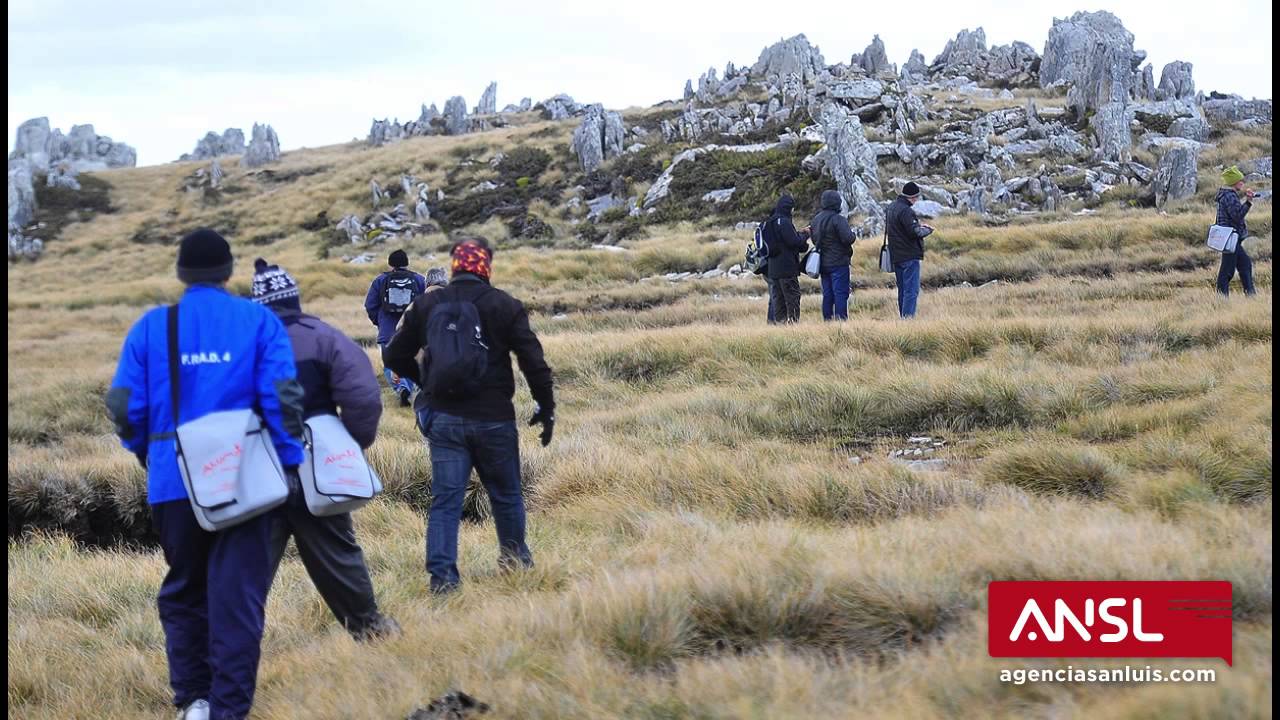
x=1231 y=214
x=235 y=355
x=468 y=332
x=785 y=246
x=390 y=295
x=335 y=374
x=834 y=239
x=906 y=246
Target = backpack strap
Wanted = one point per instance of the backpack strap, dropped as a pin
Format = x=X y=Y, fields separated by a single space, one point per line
x=173 y=361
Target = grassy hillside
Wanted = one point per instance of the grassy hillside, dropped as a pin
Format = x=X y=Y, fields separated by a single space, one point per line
x=721 y=527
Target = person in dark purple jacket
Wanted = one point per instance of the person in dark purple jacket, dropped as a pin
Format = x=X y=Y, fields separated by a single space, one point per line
x=337 y=378
x=390 y=294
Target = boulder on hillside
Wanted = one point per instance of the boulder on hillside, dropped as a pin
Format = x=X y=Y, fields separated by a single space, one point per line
x=455 y=116
x=599 y=137
x=792 y=56
x=1093 y=53
x=263 y=148
x=212 y=145
x=22 y=192
x=852 y=162
x=874 y=59
x=488 y=104
x=1176 y=174
x=1176 y=82
x=83 y=148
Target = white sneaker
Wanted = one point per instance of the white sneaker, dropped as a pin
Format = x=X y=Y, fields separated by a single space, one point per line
x=198 y=710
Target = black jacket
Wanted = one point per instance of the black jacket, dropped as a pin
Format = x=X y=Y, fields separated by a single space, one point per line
x=506 y=329
x=785 y=244
x=906 y=235
x=1231 y=211
x=831 y=233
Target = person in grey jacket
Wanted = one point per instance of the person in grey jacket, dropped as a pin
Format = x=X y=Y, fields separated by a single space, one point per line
x=337 y=378
x=834 y=239
x=906 y=246
x=1231 y=213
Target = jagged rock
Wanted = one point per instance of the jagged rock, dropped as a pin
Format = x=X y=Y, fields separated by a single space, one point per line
x=730 y=87
x=718 y=197
x=1094 y=53
x=955 y=165
x=22 y=247
x=989 y=176
x=1260 y=166
x=1236 y=110
x=598 y=206
x=421 y=212
x=1176 y=174
x=915 y=69
x=1176 y=82
x=83 y=148
x=231 y=142
x=263 y=148
x=694 y=125
x=1140 y=172
x=62 y=175
x=852 y=162
x=662 y=186
x=376 y=193
x=792 y=56
x=22 y=193
x=215 y=174
x=874 y=59
x=707 y=84
x=688 y=89
x=383 y=131
x=599 y=137
x=1145 y=87
x=861 y=90
x=488 y=104
x=455 y=116
x=929 y=208
x=1111 y=131
x=351 y=229
x=559 y=107
x=963 y=49
x=1159 y=116
x=1191 y=128
x=33 y=143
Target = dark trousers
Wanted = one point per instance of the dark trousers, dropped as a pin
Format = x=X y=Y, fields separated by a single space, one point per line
x=1238 y=261
x=333 y=559
x=784 y=300
x=835 y=292
x=493 y=449
x=908 y=274
x=212 y=607
x=404 y=384
x=773 y=310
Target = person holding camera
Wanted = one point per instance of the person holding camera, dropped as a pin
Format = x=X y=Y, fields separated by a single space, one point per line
x=1231 y=214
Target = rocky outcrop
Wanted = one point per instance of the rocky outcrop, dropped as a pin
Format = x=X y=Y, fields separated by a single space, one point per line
x=1111 y=131
x=559 y=107
x=1093 y=54
x=874 y=59
x=599 y=137
x=22 y=192
x=792 y=56
x=231 y=142
x=1145 y=84
x=1176 y=174
x=22 y=247
x=1237 y=110
x=62 y=175
x=455 y=116
x=82 y=148
x=915 y=69
x=1176 y=82
x=523 y=106
x=852 y=162
x=263 y=148
x=488 y=104
x=662 y=186
x=967 y=56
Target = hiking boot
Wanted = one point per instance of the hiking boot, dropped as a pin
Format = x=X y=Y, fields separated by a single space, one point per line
x=197 y=710
x=380 y=628
x=404 y=398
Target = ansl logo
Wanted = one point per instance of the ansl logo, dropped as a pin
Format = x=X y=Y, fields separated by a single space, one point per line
x=1064 y=615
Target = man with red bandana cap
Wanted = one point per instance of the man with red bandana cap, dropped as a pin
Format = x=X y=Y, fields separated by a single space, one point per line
x=464 y=408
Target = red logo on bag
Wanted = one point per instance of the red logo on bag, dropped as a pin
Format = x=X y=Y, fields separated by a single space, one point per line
x=1109 y=619
x=213 y=465
x=330 y=459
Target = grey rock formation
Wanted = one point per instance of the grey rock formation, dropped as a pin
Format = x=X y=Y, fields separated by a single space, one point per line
x=1176 y=174
x=33 y=143
x=62 y=175
x=954 y=166
x=1192 y=128
x=858 y=90
x=263 y=148
x=874 y=59
x=1112 y=132
x=84 y=149
x=351 y=229
x=231 y=142
x=559 y=107
x=662 y=186
x=793 y=55
x=215 y=174
x=455 y=116
x=488 y=104
x=915 y=69
x=729 y=87
x=376 y=193
x=688 y=89
x=1094 y=53
x=22 y=247
x=964 y=49
x=852 y=162
x=522 y=106
x=1176 y=82
x=967 y=56
x=599 y=137
x=1236 y=110
x=1145 y=87
x=989 y=176
x=22 y=192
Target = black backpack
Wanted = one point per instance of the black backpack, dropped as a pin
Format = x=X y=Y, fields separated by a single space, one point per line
x=457 y=351
x=398 y=292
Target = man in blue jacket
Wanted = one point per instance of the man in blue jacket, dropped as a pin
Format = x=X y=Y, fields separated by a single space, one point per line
x=390 y=294
x=234 y=354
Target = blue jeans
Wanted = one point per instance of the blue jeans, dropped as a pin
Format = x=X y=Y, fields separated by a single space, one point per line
x=835 y=292
x=493 y=449
x=908 y=274
x=212 y=607
x=1238 y=261
x=404 y=384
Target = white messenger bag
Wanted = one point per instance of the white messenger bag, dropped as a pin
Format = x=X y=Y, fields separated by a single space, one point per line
x=1223 y=238
x=336 y=477
x=227 y=460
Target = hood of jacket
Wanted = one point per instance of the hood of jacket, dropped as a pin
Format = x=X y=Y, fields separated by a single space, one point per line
x=785 y=205
x=831 y=200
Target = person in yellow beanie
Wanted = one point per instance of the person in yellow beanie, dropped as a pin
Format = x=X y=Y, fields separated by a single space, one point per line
x=1231 y=213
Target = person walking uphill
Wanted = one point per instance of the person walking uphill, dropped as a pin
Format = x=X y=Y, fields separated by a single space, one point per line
x=785 y=246
x=335 y=374
x=468 y=331
x=1231 y=214
x=834 y=239
x=234 y=355
x=389 y=296
x=906 y=246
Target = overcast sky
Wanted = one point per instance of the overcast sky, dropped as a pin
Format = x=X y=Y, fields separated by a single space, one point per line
x=158 y=74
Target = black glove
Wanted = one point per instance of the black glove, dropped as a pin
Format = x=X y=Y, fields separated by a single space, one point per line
x=548 y=420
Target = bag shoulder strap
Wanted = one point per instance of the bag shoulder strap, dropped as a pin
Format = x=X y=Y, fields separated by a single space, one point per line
x=173 y=361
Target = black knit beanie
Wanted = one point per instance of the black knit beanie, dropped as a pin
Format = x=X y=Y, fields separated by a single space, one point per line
x=274 y=287
x=398 y=259
x=911 y=189
x=204 y=256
